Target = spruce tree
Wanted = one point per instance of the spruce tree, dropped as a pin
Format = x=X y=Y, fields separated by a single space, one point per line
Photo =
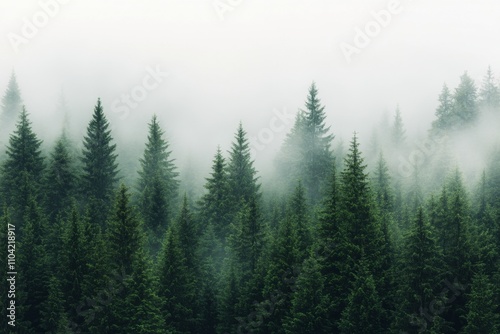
x=158 y=181
x=489 y=93
x=53 y=318
x=242 y=178
x=126 y=255
x=310 y=302
x=398 y=131
x=100 y=169
x=60 y=179
x=465 y=110
x=421 y=271
x=33 y=269
x=363 y=313
x=11 y=105
x=176 y=286
x=298 y=211
x=444 y=112
x=306 y=153
x=75 y=261
x=317 y=141
x=246 y=244
x=283 y=268
x=333 y=249
x=363 y=231
x=23 y=168
x=482 y=307
x=215 y=203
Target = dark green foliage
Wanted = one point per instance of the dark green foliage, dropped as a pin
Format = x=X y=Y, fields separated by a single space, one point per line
x=284 y=265
x=23 y=168
x=363 y=313
x=481 y=309
x=100 y=170
x=246 y=240
x=242 y=178
x=330 y=252
x=310 y=302
x=33 y=273
x=126 y=255
x=158 y=181
x=361 y=228
x=215 y=203
x=176 y=285
x=60 y=179
x=422 y=272
x=54 y=319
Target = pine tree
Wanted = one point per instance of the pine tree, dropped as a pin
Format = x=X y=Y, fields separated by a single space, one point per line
x=33 y=269
x=242 y=178
x=317 y=141
x=176 y=288
x=227 y=311
x=444 y=112
x=299 y=215
x=382 y=187
x=290 y=157
x=60 y=179
x=22 y=170
x=489 y=94
x=99 y=167
x=75 y=261
x=215 y=203
x=310 y=303
x=282 y=271
x=363 y=231
x=421 y=271
x=363 y=313
x=306 y=153
x=333 y=249
x=398 y=131
x=210 y=254
x=465 y=110
x=53 y=318
x=145 y=315
x=124 y=233
x=126 y=254
x=11 y=105
x=482 y=306
x=158 y=181
x=246 y=244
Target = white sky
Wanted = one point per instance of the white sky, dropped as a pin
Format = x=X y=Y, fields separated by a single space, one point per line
x=262 y=56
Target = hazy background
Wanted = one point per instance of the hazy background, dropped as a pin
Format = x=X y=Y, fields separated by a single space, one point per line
x=261 y=57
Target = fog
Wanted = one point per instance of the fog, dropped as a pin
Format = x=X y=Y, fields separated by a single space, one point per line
x=230 y=61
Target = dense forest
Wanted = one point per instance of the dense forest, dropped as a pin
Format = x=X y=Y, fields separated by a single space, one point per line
x=338 y=240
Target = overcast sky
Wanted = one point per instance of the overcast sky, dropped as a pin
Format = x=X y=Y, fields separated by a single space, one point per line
x=231 y=60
